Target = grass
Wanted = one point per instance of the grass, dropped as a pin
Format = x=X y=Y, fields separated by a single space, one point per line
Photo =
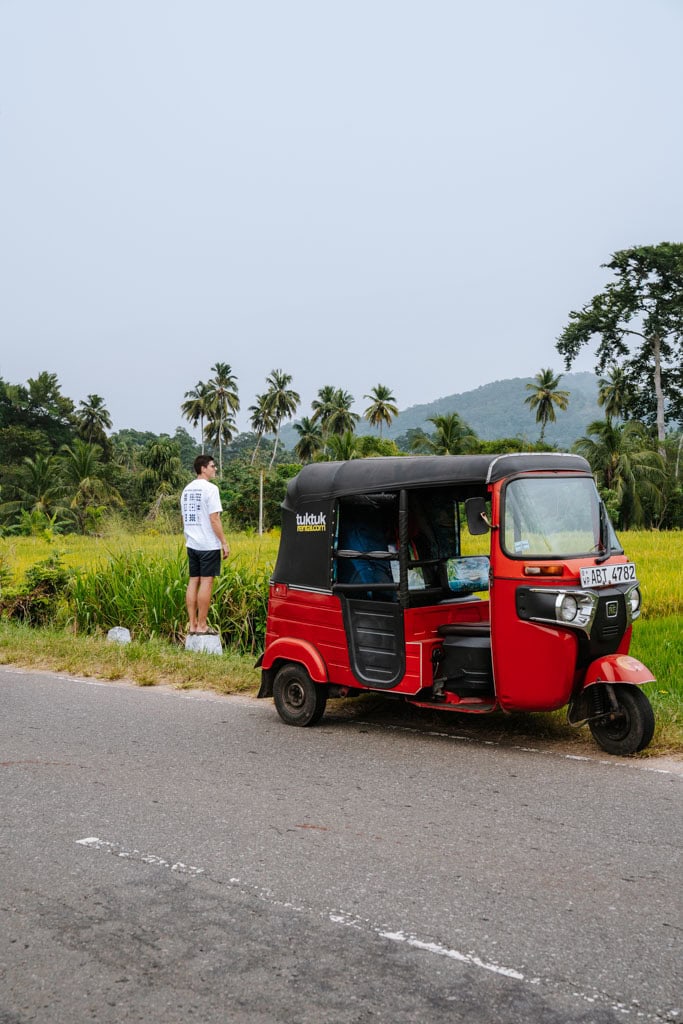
x=132 y=588
x=81 y=553
x=658 y=557
x=147 y=663
x=658 y=644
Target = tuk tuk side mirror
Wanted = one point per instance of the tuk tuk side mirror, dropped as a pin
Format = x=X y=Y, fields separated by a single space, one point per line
x=477 y=518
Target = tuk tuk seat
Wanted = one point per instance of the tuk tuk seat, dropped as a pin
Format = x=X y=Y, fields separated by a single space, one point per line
x=464 y=629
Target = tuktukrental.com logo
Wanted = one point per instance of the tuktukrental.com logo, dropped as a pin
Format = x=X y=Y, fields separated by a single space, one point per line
x=311 y=523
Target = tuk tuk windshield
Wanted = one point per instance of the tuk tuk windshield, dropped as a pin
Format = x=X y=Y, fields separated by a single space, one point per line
x=553 y=517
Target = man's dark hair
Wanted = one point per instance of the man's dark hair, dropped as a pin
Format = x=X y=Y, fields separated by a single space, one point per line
x=201 y=461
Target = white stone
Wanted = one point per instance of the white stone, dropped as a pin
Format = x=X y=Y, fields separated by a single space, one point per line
x=119 y=634
x=205 y=643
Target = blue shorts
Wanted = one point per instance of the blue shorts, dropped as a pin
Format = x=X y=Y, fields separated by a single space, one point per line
x=204 y=563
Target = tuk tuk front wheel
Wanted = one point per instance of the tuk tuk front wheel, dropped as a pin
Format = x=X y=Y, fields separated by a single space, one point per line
x=299 y=701
x=631 y=728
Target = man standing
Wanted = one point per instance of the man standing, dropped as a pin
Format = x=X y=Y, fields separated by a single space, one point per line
x=200 y=504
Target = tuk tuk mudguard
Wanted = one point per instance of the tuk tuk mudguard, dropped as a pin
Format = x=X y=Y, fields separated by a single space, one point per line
x=617 y=668
x=611 y=668
x=284 y=650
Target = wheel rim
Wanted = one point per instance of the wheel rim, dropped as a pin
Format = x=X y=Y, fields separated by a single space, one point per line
x=617 y=728
x=295 y=696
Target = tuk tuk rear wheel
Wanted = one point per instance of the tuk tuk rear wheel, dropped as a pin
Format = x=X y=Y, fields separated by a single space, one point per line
x=299 y=701
x=631 y=729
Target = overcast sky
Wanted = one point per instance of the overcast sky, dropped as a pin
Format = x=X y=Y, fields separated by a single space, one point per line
x=359 y=192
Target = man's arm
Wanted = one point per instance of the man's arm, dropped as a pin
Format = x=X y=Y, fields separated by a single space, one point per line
x=217 y=527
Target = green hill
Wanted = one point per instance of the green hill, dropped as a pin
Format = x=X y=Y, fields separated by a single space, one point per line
x=497 y=410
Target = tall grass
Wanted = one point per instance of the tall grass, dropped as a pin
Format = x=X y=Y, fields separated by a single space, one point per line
x=659 y=564
x=148 y=596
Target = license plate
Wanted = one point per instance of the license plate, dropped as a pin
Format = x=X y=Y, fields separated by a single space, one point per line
x=608 y=575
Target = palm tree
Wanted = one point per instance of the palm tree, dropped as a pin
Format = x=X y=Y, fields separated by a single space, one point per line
x=162 y=474
x=126 y=453
x=310 y=439
x=220 y=432
x=383 y=407
x=322 y=409
x=614 y=393
x=162 y=465
x=261 y=420
x=545 y=397
x=222 y=404
x=339 y=418
x=452 y=436
x=84 y=478
x=344 y=447
x=281 y=402
x=92 y=419
x=38 y=489
x=625 y=464
x=322 y=405
x=196 y=406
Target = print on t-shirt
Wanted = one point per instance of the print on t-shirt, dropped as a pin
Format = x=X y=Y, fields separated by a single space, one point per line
x=192 y=506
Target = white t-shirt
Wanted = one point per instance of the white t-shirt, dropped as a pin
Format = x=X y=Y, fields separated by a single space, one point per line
x=197 y=502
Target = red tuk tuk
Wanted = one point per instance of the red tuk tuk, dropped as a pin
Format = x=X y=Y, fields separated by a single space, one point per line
x=371 y=592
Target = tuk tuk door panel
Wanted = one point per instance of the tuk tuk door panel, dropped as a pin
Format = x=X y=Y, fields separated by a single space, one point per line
x=313 y=617
x=533 y=664
x=376 y=643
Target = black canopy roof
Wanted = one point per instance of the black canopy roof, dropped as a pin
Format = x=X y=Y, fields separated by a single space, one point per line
x=322 y=481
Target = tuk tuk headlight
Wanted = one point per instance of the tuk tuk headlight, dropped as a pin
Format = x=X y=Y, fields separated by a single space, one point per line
x=574 y=609
x=566 y=607
x=634 y=601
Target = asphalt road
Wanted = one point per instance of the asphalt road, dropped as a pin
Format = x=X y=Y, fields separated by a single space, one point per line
x=176 y=857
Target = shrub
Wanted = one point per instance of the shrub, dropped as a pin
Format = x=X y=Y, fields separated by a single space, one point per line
x=37 y=598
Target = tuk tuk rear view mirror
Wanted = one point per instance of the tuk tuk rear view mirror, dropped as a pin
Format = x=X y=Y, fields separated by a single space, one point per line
x=477 y=519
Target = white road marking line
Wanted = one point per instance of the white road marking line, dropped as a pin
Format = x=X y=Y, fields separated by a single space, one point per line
x=453 y=954
x=337 y=917
x=93 y=843
x=432 y=947
x=344 y=919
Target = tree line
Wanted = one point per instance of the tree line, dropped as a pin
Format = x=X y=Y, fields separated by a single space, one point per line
x=62 y=468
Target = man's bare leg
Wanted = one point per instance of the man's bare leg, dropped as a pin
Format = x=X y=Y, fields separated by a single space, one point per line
x=204 y=592
x=191 y=603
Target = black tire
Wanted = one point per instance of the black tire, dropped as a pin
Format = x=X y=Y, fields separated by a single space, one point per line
x=299 y=701
x=629 y=731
